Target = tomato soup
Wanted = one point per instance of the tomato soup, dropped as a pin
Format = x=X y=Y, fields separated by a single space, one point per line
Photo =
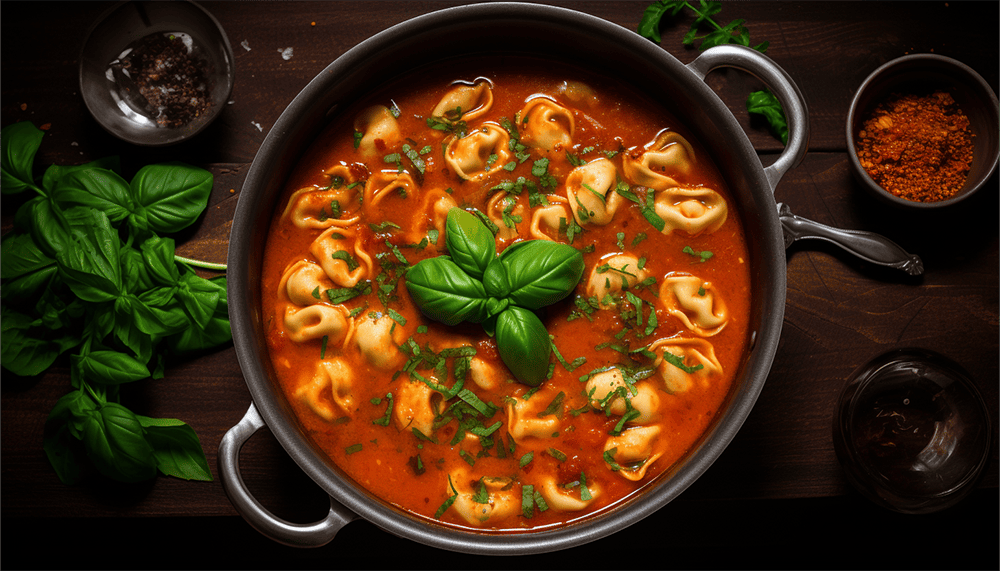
x=427 y=416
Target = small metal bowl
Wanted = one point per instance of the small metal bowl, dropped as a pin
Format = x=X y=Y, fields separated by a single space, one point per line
x=113 y=95
x=921 y=73
x=912 y=431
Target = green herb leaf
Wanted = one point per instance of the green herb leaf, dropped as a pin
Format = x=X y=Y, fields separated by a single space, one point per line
x=541 y=272
x=173 y=194
x=766 y=104
x=176 y=448
x=523 y=344
x=19 y=143
x=470 y=243
x=445 y=293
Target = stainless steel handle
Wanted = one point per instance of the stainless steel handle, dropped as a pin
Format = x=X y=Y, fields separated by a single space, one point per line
x=293 y=534
x=779 y=82
x=865 y=245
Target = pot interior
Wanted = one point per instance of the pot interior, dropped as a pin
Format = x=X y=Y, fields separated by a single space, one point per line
x=534 y=31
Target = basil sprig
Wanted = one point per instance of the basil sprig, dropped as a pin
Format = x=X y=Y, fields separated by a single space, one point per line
x=475 y=284
x=84 y=270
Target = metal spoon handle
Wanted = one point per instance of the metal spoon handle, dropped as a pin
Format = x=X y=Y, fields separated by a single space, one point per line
x=865 y=245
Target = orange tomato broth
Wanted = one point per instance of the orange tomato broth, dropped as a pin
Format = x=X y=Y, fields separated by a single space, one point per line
x=382 y=459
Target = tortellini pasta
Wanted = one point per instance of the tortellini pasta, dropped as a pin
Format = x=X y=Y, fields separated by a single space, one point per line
x=523 y=421
x=546 y=220
x=480 y=153
x=378 y=338
x=465 y=102
x=667 y=156
x=386 y=184
x=608 y=391
x=681 y=361
x=506 y=211
x=546 y=125
x=634 y=450
x=568 y=498
x=691 y=210
x=415 y=406
x=318 y=321
x=322 y=207
x=590 y=191
x=695 y=302
x=342 y=256
x=379 y=131
x=304 y=283
x=501 y=501
x=330 y=385
x=614 y=273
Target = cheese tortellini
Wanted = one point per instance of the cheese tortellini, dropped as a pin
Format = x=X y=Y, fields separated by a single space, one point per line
x=329 y=387
x=669 y=155
x=500 y=499
x=480 y=153
x=590 y=191
x=379 y=131
x=546 y=125
x=333 y=205
x=695 y=302
x=634 y=450
x=681 y=362
x=465 y=102
x=378 y=338
x=342 y=256
x=614 y=274
x=691 y=210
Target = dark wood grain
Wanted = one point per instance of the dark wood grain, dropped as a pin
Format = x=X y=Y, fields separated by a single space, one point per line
x=780 y=470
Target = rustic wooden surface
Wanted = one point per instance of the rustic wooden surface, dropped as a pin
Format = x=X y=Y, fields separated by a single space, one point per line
x=776 y=491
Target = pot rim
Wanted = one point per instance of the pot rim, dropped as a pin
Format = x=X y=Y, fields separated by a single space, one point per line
x=626 y=512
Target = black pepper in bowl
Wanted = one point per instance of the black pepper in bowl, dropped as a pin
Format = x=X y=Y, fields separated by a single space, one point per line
x=170 y=77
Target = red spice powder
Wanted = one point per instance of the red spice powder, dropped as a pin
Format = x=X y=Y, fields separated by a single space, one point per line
x=917 y=147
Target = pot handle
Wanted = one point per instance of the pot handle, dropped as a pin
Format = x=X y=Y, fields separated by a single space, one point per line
x=295 y=535
x=792 y=101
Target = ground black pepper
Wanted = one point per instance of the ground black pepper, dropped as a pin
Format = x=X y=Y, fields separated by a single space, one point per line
x=170 y=77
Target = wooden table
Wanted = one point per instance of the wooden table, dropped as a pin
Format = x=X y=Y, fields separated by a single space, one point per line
x=777 y=497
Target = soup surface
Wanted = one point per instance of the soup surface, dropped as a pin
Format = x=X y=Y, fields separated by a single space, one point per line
x=427 y=416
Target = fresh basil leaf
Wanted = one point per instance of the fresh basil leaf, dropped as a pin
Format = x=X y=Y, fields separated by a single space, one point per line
x=110 y=367
x=495 y=279
x=541 y=272
x=445 y=293
x=470 y=243
x=56 y=172
x=62 y=433
x=176 y=448
x=92 y=266
x=116 y=444
x=523 y=344
x=20 y=351
x=172 y=194
x=216 y=330
x=158 y=258
x=48 y=227
x=97 y=188
x=18 y=145
x=24 y=268
x=20 y=256
x=135 y=274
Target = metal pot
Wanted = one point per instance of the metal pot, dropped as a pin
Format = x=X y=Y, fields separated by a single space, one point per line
x=535 y=30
